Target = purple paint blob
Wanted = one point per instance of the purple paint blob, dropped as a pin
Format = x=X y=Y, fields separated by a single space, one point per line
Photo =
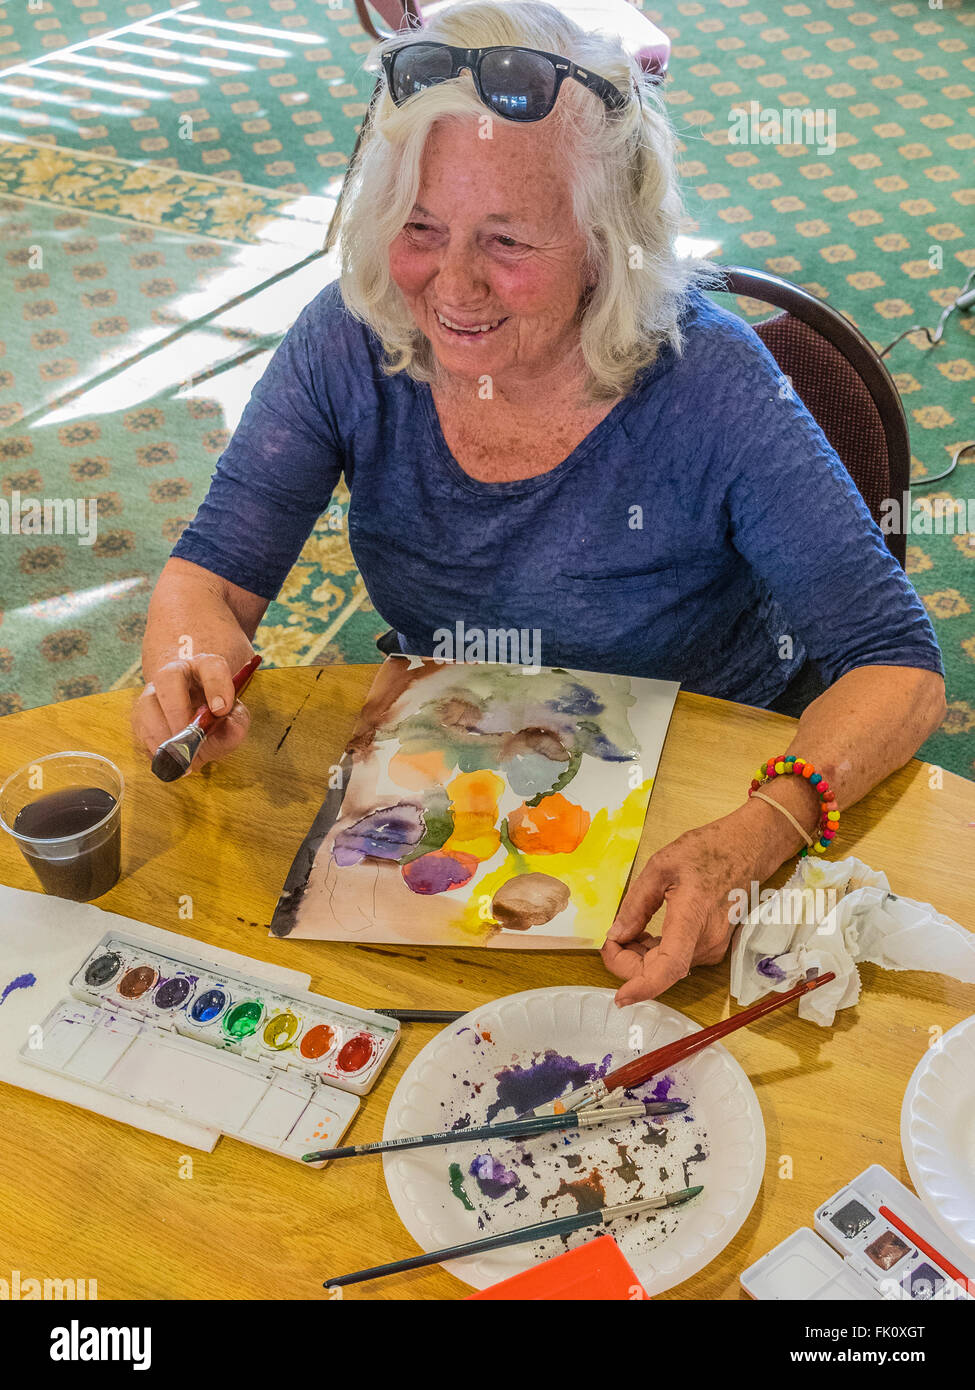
x=524 y=1088
x=924 y=1281
x=385 y=834
x=492 y=1177
x=21 y=982
x=173 y=992
x=439 y=871
x=768 y=968
x=652 y=1090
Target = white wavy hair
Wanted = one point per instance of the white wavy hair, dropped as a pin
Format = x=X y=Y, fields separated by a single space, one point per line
x=622 y=169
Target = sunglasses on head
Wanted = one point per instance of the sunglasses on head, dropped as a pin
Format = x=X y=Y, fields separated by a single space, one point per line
x=520 y=84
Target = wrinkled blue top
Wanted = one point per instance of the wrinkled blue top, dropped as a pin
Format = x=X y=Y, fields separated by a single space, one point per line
x=751 y=530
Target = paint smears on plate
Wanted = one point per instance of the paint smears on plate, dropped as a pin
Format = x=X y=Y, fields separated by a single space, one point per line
x=565 y=1172
x=548 y=1076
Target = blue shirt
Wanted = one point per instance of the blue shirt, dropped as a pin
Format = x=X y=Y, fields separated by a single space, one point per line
x=705 y=519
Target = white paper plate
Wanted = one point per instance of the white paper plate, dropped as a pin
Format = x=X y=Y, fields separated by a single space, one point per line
x=457 y=1075
x=938 y=1132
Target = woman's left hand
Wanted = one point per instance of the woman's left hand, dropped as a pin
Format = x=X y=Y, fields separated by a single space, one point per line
x=695 y=875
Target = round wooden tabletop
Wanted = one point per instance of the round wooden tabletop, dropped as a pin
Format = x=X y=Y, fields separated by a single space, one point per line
x=84 y=1196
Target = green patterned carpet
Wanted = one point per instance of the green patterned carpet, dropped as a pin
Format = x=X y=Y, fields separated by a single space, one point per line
x=155 y=178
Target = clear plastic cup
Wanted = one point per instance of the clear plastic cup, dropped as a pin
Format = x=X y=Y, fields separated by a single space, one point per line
x=65 y=812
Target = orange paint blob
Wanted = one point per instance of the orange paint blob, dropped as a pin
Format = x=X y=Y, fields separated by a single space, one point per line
x=474 y=802
x=554 y=826
x=417 y=771
x=317 y=1041
x=476 y=794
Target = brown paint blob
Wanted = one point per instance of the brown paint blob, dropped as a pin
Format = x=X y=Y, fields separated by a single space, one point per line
x=588 y=1193
x=887 y=1249
x=627 y=1166
x=534 y=740
x=529 y=900
x=454 y=712
x=135 y=982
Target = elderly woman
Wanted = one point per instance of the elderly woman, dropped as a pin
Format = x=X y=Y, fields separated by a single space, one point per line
x=546 y=425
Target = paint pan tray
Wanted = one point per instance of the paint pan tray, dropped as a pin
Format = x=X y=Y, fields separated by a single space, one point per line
x=308 y=1035
x=278 y=1068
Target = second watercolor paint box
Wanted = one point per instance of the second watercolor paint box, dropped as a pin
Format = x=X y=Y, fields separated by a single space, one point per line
x=856 y=1253
x=277 y=1068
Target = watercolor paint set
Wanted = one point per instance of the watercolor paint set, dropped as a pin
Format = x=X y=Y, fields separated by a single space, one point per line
x=277 y=1068
x=859 y=1253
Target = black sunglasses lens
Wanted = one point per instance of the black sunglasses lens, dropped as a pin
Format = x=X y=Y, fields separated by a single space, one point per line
x=517 y=84
x=419 y=65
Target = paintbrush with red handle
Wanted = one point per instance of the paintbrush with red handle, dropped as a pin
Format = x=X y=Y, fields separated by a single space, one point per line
x=173 y=757
x=933 y=1255
x=641 y=1069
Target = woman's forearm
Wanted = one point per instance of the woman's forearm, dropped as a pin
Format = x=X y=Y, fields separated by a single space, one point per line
x=193 y=610
x=864 y=727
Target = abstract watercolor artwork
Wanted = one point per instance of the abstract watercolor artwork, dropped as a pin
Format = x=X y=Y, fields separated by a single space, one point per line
x=481 y=804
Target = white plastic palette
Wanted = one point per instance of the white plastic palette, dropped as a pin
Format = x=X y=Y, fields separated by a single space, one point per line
x=859 y=1254
x=279 y=1070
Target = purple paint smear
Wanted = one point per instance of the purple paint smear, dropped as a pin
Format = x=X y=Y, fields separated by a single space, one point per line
x=437 y=872
x=385 y=834
x=21 y=982
x=492 y=1177
x=649 y=1091
x=524 y=1088
x=767 y=967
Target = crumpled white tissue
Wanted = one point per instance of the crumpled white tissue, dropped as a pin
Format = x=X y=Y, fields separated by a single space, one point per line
x=831 y=916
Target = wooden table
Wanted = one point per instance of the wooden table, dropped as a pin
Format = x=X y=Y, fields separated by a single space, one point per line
x=831 y=1097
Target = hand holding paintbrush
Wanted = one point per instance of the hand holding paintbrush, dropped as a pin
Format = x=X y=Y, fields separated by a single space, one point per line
x=174 y=756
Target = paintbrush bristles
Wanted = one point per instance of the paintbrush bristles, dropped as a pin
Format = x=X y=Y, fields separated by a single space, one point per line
x=173 y=758
x=641 y=1069
x=166 y=766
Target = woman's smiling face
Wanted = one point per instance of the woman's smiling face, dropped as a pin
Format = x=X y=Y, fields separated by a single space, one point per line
x=492 y=243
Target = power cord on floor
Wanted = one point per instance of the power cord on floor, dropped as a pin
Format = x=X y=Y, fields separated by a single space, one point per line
x=964 y=301
x=939 y=477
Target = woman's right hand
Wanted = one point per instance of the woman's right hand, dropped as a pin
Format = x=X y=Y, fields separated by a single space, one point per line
x=178 y=689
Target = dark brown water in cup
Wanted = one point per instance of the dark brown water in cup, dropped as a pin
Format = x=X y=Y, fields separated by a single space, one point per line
x=89 y=867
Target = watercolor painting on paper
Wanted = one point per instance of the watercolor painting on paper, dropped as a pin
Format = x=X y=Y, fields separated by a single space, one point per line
x=482 y=805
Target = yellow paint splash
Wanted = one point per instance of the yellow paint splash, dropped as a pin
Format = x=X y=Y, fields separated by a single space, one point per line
x=474 y=799
x=595 y=872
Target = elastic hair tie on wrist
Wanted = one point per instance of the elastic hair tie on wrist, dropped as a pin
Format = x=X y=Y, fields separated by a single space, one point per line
x=829 y=817
x=788 y=814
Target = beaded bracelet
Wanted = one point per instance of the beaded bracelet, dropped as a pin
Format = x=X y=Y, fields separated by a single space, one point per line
x=829 y=818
